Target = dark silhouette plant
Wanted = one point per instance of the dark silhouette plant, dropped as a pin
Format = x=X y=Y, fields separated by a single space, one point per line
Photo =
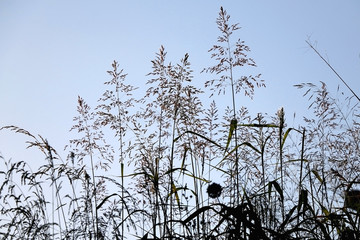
x=173 y=169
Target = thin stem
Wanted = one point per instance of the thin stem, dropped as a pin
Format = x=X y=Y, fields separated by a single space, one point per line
x=94 y=194
x=121 y=159
x=95 y=223
x=302 y=158
x=281 y=162
x=301 y=166
x=327 y=63
x=237 y=193
x=171 y=173
x=157 y=170
x=53 y=179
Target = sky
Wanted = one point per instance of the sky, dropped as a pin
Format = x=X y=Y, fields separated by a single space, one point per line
x=53 y=51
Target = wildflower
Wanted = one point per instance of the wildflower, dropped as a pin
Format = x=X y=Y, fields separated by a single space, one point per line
x=214 y=190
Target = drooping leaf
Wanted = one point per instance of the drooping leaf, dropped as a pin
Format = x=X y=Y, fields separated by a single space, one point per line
x=317 y=175
x=284 y=138
x=220 y=169
x=105 y=199
x=236 y=147
x=287 y=218
x=277 y=188
x=186 y=172
x=233 y=125
x=199 y=135
x=174 y=190
x=198 y=178
x=196 y=213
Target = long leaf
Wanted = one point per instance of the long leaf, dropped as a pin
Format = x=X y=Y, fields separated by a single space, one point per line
x=199 y=135
x=317 y=175
x=221 y=170
x=259 y=125
x=196 y=213
x=175 y=169
x=287 y=218
x=233 y=126
x=198 y=178
x=234 y=149
x=186 y=172
x=139 y=173
x=105 y=199
x=286 y=135
x=277 y=188
x=175 y=191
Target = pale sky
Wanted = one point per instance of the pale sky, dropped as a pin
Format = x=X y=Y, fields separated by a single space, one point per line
x=53 y=51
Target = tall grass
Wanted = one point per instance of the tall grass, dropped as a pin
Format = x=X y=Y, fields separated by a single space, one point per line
x=229 y=56
x=176 y=169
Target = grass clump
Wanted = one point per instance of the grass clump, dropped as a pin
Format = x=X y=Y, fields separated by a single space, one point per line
x=178 y=169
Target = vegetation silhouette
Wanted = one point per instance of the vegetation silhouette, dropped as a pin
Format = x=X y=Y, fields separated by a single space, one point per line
x=171 y=151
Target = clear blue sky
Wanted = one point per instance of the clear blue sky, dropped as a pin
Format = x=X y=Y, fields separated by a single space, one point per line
x=53 y=51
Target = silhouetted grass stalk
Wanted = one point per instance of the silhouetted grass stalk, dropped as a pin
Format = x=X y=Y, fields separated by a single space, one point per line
x=281 y=116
